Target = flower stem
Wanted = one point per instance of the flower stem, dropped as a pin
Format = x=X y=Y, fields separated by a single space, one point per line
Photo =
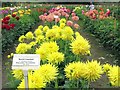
x=56 y=83
x=78 y=83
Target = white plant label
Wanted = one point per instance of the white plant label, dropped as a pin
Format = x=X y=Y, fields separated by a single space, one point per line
x=26 y=61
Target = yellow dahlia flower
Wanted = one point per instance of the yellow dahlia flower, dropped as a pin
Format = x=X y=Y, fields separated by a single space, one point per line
x=29 y=35
x=62 y=25
x=63 y=20
x=55 y=26
x=18 y=74
x=114 y=76
x=52 y=34
x=55 y=57
x=32 y=43
x=48 y=71
x=93 y=70
x=74 y=70
x=22 y=48
x=47 y=48
x=37 y=32
x=21 y=38
x=40 y=27
x=45 y=28
x=66 y=33
x=80 y=46
x=106 y=67
x=40 y=38
x=42 y=52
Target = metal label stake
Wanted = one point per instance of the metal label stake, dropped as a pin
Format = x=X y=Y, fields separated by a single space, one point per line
x=26 y=79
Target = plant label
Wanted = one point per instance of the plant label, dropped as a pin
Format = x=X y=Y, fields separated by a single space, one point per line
x=26 y=61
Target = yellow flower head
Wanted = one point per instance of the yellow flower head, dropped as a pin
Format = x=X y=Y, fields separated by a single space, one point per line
x=93 y=70
x=21 y=38
x=62 y=25
x=45 y=28
x=63 y=20
x=20 y=11
x=74 y=70
x=15 y=12
x=9 y=15
x=48 y=71
x=52 y=34
x=18 y=74
x=66 y=33
x=32 y=43
x=47 y=48
x=40 y=38
x=37 y=32
x=11 y=54
x=29 y=10
x=21 y=15
x=22 y=48
x=106 y=67
x=42 y=52
x=80 y=46
x=8 y=56
x=55 y=26
x=55 y=57
x=40 y=27
x=114 y=76
x=29 y=35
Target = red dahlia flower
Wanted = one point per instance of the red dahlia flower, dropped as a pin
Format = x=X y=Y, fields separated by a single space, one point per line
x=3 y=26
x=17 y=18
x=7 y=18
x=12 y=25
x=6 y=22
x=13 y=15
x=7 y=26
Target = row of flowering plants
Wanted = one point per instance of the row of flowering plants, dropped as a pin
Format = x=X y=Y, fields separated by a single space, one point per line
x=53 y=17
x=16 y=23
x=62 y=52
x=103 y=25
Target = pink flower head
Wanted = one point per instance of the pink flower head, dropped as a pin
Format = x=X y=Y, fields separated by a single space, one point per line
x=43 y=18
x=50 y=18
x=66 y=15
x=83 y=12
x=40 y=17
x=59 y=14
x=57 y=19
x=76 y=26
x=63 y=13
x=73 y=14
x=45 y=14
x=75 y=18
x=68 y=11
x=69 y=23
x=108 y=12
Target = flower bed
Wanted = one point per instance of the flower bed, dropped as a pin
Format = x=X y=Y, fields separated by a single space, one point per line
x=63 y=65
x=103 y=26
x=20 y=22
